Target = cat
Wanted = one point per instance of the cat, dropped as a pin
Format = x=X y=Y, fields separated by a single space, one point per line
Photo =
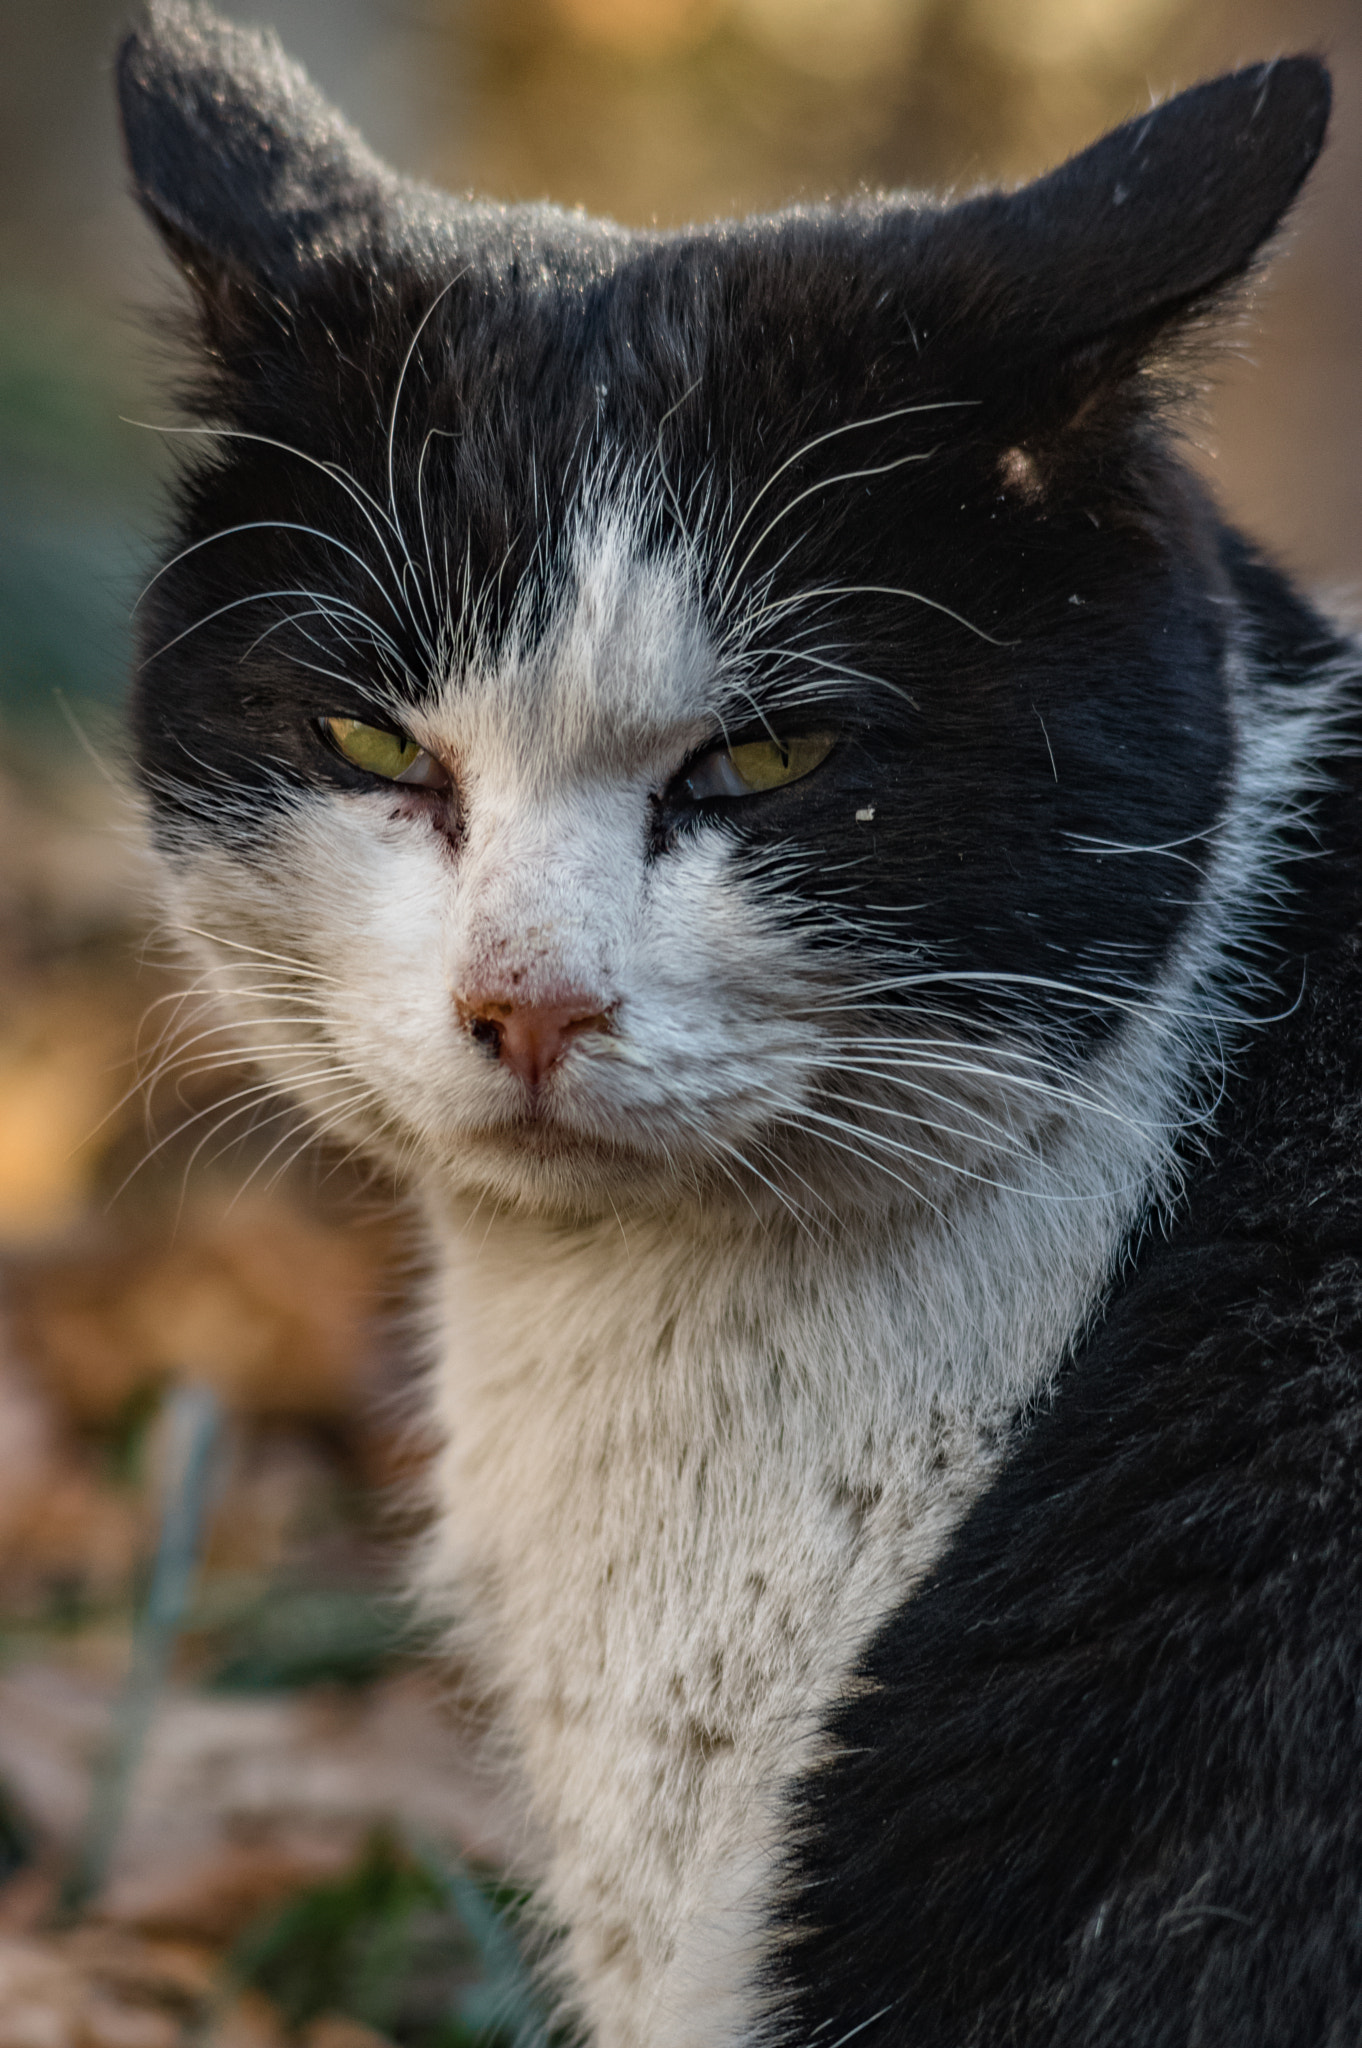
x=744 y=764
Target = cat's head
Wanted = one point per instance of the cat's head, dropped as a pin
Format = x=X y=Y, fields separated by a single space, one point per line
x=629 y=713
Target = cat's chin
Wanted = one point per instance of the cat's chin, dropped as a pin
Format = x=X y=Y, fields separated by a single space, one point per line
x=544 y=1165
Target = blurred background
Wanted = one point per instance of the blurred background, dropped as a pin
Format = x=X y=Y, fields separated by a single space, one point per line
x=257 y=1819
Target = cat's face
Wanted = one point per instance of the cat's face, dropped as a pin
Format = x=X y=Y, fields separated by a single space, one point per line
x=632 y=716
x=521 y=971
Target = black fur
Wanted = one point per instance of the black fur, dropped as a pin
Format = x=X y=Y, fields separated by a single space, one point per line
x=1099 y=1780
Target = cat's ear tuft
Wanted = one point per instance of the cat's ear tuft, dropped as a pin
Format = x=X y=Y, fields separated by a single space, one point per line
x=250 y=176
x=1089 y=266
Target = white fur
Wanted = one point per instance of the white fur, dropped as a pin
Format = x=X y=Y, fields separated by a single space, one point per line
x=715 y=1380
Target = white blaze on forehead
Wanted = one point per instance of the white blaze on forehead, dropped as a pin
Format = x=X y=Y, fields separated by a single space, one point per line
x=624 y=679
x=557 y=745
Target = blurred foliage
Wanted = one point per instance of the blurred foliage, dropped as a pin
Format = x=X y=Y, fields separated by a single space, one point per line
x=385 y=1945
x=75 y=487
x=125 y=1443
x=17 y=1844
x=351 y=1946
x=296 y=1636
x=676 y=109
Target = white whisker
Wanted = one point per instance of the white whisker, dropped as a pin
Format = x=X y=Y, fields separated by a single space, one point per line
x=848 y=476
x=368 y=505
x=833 y=433
x=781 y=607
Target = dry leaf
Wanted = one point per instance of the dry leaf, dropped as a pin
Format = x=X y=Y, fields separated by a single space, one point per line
x=96 y=1989
x=236 y=1793
x=334 y=2030
x=250 y=2021
x=270 y=1307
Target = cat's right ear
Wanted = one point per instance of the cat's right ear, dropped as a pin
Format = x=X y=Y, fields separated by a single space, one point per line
x=1062 y=291
x=251 y=178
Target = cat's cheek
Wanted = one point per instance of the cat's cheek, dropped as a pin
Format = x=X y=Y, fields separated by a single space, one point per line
x=723 y=986
x=436 y=813
x=329 y=939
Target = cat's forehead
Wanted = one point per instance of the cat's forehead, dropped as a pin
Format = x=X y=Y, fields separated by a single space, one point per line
x=620 y=672
x=587 y=485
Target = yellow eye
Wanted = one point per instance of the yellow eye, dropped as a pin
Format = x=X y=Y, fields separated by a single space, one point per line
x=757 y=765
x=765 y=764
x=382 y=753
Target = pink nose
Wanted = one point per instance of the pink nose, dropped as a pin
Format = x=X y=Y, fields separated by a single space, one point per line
x=530 y=1038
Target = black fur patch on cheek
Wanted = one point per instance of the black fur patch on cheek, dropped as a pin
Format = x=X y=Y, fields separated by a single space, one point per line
x=1029 y=825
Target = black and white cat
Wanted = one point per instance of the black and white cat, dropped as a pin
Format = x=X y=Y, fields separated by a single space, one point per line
x=745 y=765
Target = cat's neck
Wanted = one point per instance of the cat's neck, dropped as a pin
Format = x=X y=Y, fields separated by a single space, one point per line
x=691 y=1462
x=962 y=1301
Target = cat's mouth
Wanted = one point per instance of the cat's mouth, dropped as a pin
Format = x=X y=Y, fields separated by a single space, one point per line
x=537 y=1135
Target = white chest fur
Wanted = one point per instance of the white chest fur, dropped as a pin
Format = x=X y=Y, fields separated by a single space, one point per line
x=690 y=1463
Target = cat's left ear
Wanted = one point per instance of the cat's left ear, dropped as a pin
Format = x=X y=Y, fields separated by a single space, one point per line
x=1069 y=282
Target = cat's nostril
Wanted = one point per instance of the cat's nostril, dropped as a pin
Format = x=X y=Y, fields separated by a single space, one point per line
x=531 y=1038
